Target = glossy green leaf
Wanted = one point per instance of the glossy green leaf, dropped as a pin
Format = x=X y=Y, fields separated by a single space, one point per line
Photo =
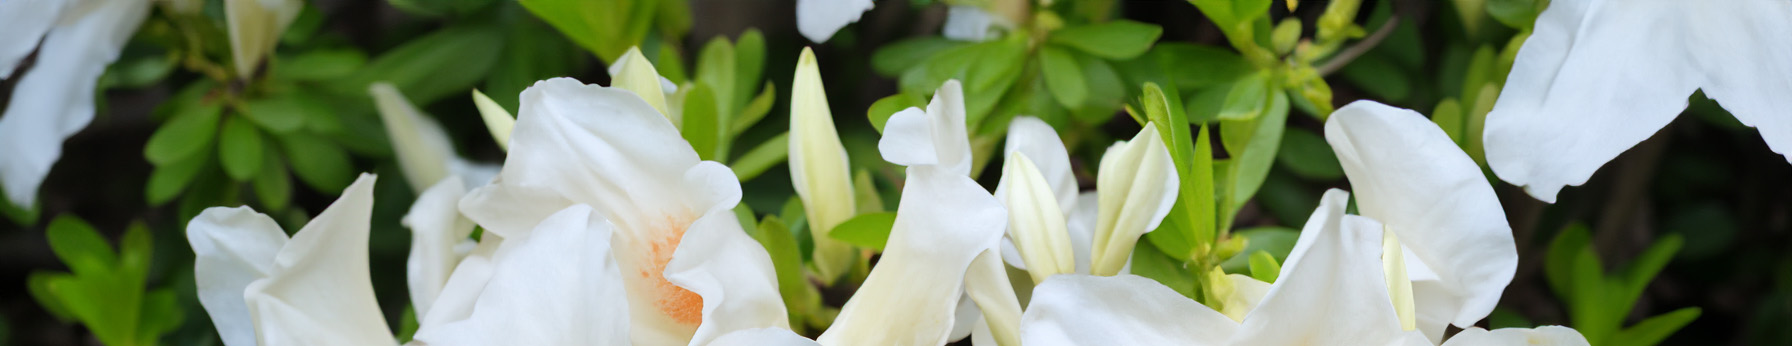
x=285 y=112
x=1148 y=262
x=189 y=131
x=239 y=149
x=702 y=122
x=321 y=164
x=1264 y=266
x=1653 y=330
x=1201 y=66
x=1119 y=39
x=604 y=27
x=867 y=230
x=755 y=110
x=770 y=153
x=1063 y=76
x=893 y=59
x=445 y=63
x=1247 y=98
x=1252 y=159
x=1307 y=155
x=273 y=186
x=168 y=181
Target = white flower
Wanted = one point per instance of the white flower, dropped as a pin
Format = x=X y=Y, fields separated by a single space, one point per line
x=439 y=240
x=1597 y=77
x=255 y=28
x=819 y=19
x=818 y=168
x=261 y=288
x=497 y=120
x=54 y=99
x=689 y=271
x=424 y=151
x=944 y=222
x=969 y=23
x=1136 y=185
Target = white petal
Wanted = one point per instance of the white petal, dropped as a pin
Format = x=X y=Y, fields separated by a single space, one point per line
x=907 y=140
x=436 y=228
x=54 y=99
x=578 y=143
x=1597 y=77
x=465 y=283
x=1409 y=175
x=255 y=27
x=1035 y=220
x=422 y=146
x=232 y=247
x=1036 y=139
x=24 y=22
x=968 y=23
x=558 y=286
x=1330 y=290
x=763 y=337
x=634 y=73
x=936 y=137
x=1081 y=224
x=497 y=120
x=1540 y=336
x=732 y=273
x=1118 y=310
x=986 y=283
x=818 y=168
x=1246 y=293
x=943 y=221
x=819 y=19
x=1136 y=187
x=320 y=292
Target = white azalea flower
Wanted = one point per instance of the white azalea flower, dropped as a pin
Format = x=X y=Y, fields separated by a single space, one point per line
x=1436 y=205
x=255 y=27
x=438 y=241
x=969 y=23
x=819 y=19
x=690 y=273
x=261 y=288
x=1597 y=77
x=425 y=152
x=818 y=168
x=54 y=99
x=944 y=222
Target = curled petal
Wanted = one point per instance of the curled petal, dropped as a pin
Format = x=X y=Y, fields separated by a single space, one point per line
x=732 y=273
x=319 y=291
x=819 y=19
x=935 y=137
x=1409 y=175
x=1540 y=336
x=1597 y=77
x=436 y=230
x=232 y=247
x=1137 y=186
x=1118 y=310
x=1035 y=222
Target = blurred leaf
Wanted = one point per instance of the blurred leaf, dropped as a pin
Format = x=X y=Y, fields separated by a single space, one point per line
x=168 y=181
x=755 y=110
x=864 y=194
x=1448 y=116
x=38 y=284
x=1148 y=262
x=188 y=132
x=1247 y=99
x=321 y=64
x=437 y=8
x=881 y=110
x=284 y=112
x=1716 y=228
x=673 y=18
x=80 y=247
x=1653 y=330
x=239 y=149
x=1518 y=14
x=531 y=52
x=444 y=63
x=762 y=157
x=1063 y=76
x=702 y=122
x=716 y=67
x=866 y=230
x=24 y=216
x=749 y=65
x=273 y=186
x=1641 y=270
x=1379 y=77
x=1201 y=66
x=1558 y=264
x=1277 y=241
x=322 y=165
x=893 y=59
x=1119 y=39
x=1308 y=156
x=137 y=72
x=161 y=314
x=1107 y=91
x=1264 y=267
x=787 y=262
x=1252 y=159
x=607 y=28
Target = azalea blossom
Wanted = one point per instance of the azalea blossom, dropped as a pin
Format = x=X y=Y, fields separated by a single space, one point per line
x=944 y=223
x=1596 y=77
x=54 y=98
x=689 y=272
x=819 y=19
x=255 y=27
x=818 y=168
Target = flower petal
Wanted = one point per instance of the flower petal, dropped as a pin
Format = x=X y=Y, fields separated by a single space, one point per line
x=578 y=143
x=1330 y=290
x=908 y=140
x=763 y=337
x=436 y=229
x=232 y=247
x=558 y=286
x=732 y=273
x=465 y=283
x=54 y=99
x=319 y=291
x=255 y=27
x=1136 y=187
x=986 y=283
x=1409 y=175
x=1081 y=224
x=1079 y=309
x=24 y=23
x=1597 y=77
x=942 y=222
x=936 y=137
x=968 y=23
x=1540 y=336
x=819 y=19
x=1035 y=220
x=1036 y=139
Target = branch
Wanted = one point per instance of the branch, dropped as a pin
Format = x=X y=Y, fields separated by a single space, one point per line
x=1356 y=50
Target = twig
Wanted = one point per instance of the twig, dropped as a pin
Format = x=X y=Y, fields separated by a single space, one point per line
x=1356 y=50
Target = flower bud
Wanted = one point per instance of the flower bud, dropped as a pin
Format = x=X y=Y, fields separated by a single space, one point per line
x=1136 y=186
x=255 y=27
x=1035 y=222
x=818 y=167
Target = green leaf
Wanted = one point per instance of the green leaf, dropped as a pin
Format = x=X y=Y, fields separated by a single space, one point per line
x=1264 y=266
x=445 y=63
x=1200 y=202
x=1063 y=76
x=168 y=181
x=1247 y=98
x=1379 y=77
x=716 y=67
x=749 y=65
x=864 y=194
x=702 y=121
x=161 y=314
x=800 y=297
x=755 y=110
x=322 y=165
x=1637 y=275
x=880 y=111
x=1187 y=213
x=1653 y=330
x=80 y=246
x=1558 y=264
x=866 y=230
x=1201 y=66
x=1252 y=160
x=604 y=27
x=1448 y=116
x=1107 y=91
x=285 y=112
x=1591 y=293
x=1518 y=14
x=38 y=283
x=893 y=59
x=531 y=52
x=188 y=132
x=1307 y=155
x=1275 y=240
x=239 y=149
x=762 y=157
x=1148 y=262
x=321 y=64
x=273 y=186
x=1119 y=39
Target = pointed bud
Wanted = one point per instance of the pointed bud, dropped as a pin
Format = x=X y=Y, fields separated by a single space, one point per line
x=255 y=28
x=1035 y=221
x=634 y=73
x=498 y=120
x=1393 y=263
x=818 y=167
x=421 y=145
x=1136 y=187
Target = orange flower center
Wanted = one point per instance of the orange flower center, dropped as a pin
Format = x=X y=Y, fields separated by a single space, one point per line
x=682 y=305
